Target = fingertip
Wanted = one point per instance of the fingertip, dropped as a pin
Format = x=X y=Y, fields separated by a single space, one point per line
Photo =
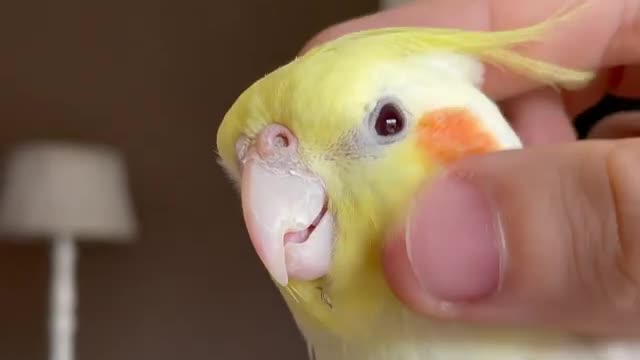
x=539 y=117
x=405 y=285
x=624 y=124
x=326 y=35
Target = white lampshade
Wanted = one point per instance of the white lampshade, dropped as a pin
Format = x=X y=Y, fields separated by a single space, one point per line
x=66 y=192
x=55 y=188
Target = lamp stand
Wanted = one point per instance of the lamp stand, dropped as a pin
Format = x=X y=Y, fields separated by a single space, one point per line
x=62 y=298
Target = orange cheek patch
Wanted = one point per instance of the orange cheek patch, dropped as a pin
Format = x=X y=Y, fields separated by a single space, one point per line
x=450 y=134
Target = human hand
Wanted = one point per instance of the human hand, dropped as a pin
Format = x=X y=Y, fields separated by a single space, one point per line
x=549 y=235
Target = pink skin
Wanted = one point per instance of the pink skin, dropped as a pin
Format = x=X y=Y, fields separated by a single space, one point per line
x=276 y=140
x=284 y=207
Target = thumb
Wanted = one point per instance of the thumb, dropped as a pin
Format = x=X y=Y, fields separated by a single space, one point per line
x=545 y=236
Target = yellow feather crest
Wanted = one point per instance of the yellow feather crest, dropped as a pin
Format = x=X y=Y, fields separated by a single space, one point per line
x=493 y=47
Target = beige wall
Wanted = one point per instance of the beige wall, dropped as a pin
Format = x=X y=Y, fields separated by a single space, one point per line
x=154 y=78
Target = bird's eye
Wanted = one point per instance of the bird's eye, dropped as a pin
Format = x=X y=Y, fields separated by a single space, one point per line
x=389 y=121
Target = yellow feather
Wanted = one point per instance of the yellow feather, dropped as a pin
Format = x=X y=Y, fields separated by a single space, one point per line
x=493 y=47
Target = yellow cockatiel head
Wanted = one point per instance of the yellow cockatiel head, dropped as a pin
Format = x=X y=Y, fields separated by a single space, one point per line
x=329 y=149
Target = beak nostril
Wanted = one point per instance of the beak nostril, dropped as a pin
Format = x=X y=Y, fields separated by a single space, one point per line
x=275 y=139
x=281 y=140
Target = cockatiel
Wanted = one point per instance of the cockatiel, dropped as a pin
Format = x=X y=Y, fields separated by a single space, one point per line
x=328 y=152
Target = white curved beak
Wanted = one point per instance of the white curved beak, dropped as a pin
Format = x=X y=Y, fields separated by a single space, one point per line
x=287 y=219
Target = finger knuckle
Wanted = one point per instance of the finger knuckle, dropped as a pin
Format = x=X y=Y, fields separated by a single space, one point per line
x=623 y=173
x=605 y=230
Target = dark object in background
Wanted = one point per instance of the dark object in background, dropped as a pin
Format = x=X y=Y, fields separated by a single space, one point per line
x=609 y=105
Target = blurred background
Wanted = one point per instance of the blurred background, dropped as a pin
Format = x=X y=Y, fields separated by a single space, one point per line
x=153 y=79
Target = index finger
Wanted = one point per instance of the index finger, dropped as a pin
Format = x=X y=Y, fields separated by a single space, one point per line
x=604 y=35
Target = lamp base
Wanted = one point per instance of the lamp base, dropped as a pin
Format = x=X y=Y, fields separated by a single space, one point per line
x=62 y=298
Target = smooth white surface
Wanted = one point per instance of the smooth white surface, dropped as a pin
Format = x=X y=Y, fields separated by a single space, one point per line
x=62 y=323
x=276 y=204
x=56 y=188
